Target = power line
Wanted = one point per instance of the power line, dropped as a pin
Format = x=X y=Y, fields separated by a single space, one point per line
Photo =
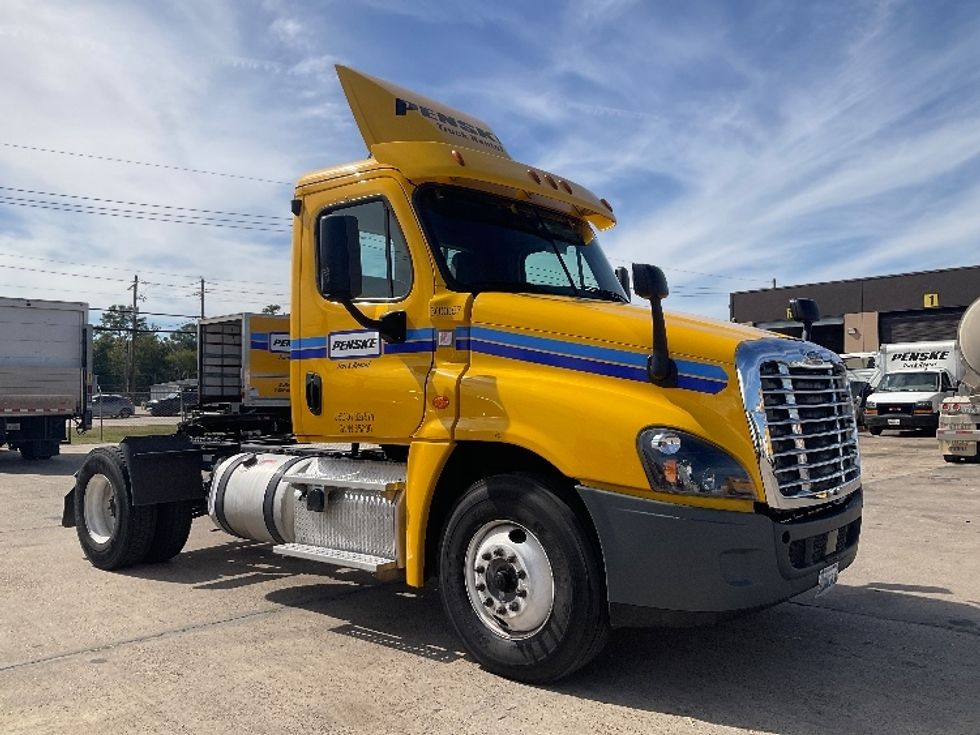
x=131 y=162
x=144 y=204
x=132 y=214
x=124 y=268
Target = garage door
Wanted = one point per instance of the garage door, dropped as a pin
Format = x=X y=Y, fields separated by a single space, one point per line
x=919 y=326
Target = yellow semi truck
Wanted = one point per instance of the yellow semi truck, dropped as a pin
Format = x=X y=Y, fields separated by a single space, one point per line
x=476 y=400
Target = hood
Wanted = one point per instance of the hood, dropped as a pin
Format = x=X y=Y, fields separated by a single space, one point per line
x=610 y=324
x=902 y=396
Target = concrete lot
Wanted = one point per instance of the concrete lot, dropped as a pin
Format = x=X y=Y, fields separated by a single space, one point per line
x=231 y=638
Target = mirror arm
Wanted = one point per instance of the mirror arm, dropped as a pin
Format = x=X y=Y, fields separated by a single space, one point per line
x=660 y=367
x=393 y=326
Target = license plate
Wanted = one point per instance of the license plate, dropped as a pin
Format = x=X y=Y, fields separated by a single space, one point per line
x=827 y=579
x=962 y=447
x=894 y=422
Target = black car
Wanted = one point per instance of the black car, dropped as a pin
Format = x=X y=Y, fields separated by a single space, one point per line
x=172 y=404
x=108 y=405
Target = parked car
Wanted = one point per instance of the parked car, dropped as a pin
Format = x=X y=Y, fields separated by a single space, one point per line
x=171 y=405
x=111 y=406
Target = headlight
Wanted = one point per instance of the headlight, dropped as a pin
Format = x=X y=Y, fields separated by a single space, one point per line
x=677 y=462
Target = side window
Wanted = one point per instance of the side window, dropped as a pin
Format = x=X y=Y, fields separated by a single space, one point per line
x=946 y=384
x=386 y=267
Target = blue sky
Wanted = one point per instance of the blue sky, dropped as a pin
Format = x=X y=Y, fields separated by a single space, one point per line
x=738 y=141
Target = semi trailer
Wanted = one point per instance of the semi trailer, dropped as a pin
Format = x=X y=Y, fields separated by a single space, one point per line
x=475 y=400
x=45 y=374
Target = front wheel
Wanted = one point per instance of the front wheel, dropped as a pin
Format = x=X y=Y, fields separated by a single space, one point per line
x=112 y=531
x=521 y=580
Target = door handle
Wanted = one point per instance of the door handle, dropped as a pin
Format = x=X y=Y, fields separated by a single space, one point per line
x=314 y=393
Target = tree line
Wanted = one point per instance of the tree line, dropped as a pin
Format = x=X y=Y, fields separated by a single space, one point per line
x=159 y=357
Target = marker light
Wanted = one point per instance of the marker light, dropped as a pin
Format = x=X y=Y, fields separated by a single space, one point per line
x=606 y=204
x=534 y=176
x=566 y=186
x=678 y=462
x=551 y=181
x=459 y=158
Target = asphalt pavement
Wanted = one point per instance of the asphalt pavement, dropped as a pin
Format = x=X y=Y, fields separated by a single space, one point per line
x=230 y=638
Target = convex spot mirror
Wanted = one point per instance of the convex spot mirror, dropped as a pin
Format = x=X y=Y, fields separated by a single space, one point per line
x=339 y=258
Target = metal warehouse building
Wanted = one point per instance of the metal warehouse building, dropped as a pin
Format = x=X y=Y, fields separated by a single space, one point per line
x=860 y=314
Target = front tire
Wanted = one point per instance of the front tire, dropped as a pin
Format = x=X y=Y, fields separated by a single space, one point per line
x=112 y=531
x=521 y=580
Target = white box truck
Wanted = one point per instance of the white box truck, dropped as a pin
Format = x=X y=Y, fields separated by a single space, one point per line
x=45 y=373
x=915 y=378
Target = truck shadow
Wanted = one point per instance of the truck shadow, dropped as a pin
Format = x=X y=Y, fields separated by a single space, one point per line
x=879 y=658
x=11 y=463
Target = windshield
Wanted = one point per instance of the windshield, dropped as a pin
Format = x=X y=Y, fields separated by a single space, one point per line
x=489 y=243
x=907 y=382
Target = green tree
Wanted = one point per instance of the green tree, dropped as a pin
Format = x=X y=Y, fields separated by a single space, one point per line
x=271 y=309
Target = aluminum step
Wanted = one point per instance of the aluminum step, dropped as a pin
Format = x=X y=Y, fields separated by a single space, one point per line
x=339 y=558
x=354 y=474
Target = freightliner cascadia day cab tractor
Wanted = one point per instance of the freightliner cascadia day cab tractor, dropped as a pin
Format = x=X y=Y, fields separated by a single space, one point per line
x=560 y=460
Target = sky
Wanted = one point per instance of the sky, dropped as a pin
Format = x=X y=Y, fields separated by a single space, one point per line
x=739 y=142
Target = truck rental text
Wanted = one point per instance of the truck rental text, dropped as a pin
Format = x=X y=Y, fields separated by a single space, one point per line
x=474 y=399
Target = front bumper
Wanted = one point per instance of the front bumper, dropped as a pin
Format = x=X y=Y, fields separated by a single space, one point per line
x=905 y=421
x=669 y=564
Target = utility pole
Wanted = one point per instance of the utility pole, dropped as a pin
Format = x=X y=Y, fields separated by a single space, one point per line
x=202 y=297
x=132 y=337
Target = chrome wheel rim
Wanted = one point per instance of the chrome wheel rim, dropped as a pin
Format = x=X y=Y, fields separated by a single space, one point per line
x=509 y=580
x=100 y=509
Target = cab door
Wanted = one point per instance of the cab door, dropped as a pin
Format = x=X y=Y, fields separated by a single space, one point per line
x=353 y=385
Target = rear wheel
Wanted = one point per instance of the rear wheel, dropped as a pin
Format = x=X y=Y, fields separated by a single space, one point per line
x=39 y=450
x=112 y=531
x=172 y=529
x=521 y=580
x=874 y=430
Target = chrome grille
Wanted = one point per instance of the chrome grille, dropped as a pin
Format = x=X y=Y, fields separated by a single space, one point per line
x=810 y=424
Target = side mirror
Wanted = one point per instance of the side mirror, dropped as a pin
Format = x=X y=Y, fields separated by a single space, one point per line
x=623 y=276
x=649 y=282
x=339 y=258
x=804 y=310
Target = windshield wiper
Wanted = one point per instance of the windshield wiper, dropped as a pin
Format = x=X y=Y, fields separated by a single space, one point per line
x=606 y=294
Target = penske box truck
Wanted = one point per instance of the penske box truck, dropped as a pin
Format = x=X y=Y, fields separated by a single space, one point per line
x=45 y=374
x=915 y=378
x=475 y=399
x=243 y=376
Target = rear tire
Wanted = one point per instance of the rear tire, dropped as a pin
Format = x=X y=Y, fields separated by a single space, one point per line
x=172 y=529
x=39 y=450
x=112 y=531
x=543 y=578
x=874 y=430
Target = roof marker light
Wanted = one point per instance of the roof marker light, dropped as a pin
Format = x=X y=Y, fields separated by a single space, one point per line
x=534 y=176
x=459 y=158
x=606 y=204
x=551 y=181
x=566 y=186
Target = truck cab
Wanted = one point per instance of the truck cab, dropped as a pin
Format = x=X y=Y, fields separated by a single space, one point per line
x=562 y=460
